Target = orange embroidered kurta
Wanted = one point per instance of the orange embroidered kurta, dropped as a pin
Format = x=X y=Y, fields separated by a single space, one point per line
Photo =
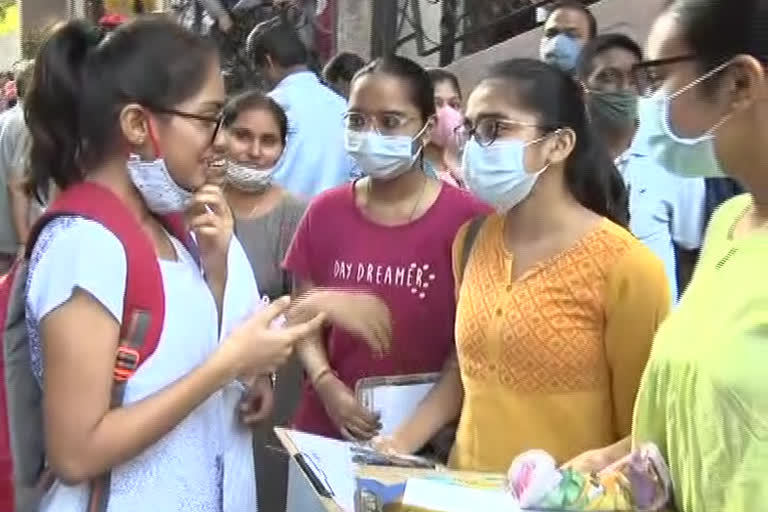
x=553 y=359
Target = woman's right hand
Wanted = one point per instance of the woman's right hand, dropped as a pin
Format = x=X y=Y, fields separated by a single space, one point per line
x=390 y=445
x=363 y=314
x=354 y=421
x=256 y=348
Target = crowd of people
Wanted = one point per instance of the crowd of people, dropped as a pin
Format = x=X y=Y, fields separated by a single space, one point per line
x=532 y=240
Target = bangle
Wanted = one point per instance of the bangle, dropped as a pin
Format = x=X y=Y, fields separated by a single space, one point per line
x=322 y=373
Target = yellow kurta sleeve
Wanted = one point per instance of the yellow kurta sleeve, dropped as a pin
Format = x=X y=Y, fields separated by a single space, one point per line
x=637 y=301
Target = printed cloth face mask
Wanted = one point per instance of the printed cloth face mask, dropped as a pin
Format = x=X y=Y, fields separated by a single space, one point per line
x=685 y=156
x=249 y=178
x=160 y=192
x=383 y=157
x=496 y=173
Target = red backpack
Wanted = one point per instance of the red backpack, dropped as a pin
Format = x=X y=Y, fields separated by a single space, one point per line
x=23 y=474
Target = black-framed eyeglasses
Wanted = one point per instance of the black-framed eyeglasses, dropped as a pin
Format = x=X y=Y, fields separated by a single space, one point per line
x=646 y=74
x=217 y=120
x=487 y=130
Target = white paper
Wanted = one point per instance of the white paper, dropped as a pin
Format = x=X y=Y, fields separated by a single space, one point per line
x=333 y=458
x=445 y=497
x=395 y=404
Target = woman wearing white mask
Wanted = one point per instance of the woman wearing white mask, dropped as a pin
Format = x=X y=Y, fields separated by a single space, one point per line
x=442 y=152
x=558 y=303
x=174 y=442
x=704 y=396
x=266 y=216
x=389 y=233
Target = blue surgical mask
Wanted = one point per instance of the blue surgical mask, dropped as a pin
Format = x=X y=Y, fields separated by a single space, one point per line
x=496 y=174
x=561 y=51
x=157 y=187
x=686 y=156
x=383 y=157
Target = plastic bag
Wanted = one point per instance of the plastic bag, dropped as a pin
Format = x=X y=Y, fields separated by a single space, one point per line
x=638 y=482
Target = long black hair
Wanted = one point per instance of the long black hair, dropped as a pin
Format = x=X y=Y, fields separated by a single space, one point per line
x=557 y=99
x=82 y=79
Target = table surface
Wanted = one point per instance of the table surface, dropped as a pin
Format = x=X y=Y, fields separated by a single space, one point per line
x=386 y=475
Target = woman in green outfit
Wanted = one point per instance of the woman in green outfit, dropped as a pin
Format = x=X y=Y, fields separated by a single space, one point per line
x=704 y=396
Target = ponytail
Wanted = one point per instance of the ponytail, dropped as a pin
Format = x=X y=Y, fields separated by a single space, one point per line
x=82 y=81
x=52 y=107
x=594 y=180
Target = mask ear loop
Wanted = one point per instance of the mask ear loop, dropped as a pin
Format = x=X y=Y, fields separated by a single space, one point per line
x=540 y=139
x=153 y=139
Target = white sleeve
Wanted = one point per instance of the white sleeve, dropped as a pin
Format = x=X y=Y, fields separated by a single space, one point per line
x=688 y=196
x=76 y=253
x=241 y=294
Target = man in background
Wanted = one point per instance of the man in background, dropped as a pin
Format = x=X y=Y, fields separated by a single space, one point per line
x=315 y=159
x=568 y=27
x=339 y=71
x=17 y=211
x=666 y=211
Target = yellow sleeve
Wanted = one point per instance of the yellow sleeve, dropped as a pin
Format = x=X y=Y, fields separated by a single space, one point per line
x=637 y=301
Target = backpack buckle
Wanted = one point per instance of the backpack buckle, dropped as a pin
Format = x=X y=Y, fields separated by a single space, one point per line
x=126 y=363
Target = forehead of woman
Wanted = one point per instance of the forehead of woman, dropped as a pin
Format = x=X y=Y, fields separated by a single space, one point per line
x=379 y=92
x=499 y=98
x=256 y=119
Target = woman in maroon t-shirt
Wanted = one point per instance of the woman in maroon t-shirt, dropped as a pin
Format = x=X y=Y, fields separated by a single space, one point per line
x=389 y=234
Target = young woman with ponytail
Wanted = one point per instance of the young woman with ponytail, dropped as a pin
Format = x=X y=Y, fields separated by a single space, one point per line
x=558 y=302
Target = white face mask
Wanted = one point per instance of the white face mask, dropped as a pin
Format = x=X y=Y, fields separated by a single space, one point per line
x=686 y=156
x=155 y=184
x=383 y=157
x=248 y=178
x=496 y=174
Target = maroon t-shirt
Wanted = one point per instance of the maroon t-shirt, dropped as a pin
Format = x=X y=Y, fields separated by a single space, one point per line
x=408 y=266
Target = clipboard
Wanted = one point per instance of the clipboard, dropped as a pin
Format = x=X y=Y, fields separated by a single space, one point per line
x=395 y=398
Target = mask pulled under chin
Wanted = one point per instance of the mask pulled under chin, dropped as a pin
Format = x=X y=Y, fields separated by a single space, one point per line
x=248 y=178
x=383 y=157
x=160 y=192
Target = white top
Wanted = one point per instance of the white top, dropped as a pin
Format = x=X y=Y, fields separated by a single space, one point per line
x=315 y=159
x=664 y=209
x=205 y=464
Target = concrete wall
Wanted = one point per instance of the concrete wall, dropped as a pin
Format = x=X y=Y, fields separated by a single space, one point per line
x=10 y=50
x=633 y=17
x=37 y=15
x=353 y=26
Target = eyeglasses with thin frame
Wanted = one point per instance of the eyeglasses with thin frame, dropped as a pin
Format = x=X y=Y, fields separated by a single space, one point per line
x=646 y=77
x=383 y=124
x=487 y=130
x=217 y=120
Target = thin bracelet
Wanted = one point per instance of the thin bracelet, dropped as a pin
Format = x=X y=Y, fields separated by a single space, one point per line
x=322 y=373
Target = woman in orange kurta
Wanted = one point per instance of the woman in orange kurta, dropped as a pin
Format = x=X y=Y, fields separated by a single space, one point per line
x=558 y=303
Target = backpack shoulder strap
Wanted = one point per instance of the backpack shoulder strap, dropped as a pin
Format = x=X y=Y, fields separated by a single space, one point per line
x=144 y=300
x=469 y=241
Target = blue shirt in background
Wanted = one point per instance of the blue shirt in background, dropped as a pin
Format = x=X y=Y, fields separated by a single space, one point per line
x=664 y=209
x=315 y=159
